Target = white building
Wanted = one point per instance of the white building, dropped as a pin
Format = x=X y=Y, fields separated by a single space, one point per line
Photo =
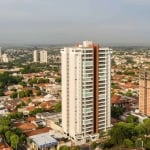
x=35 y=56
x=0 y=52
x=4 y=58
x=85 y=90
x=43 y=56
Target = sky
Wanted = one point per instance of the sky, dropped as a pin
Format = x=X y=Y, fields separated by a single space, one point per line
x=116 y=22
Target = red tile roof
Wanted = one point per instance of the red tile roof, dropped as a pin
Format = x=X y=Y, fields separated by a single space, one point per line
x=46 y=105
x=26 y=126
x=4 y=146
x=30 y=108
x=115 y=99
x=29 y=119
x=38 y=131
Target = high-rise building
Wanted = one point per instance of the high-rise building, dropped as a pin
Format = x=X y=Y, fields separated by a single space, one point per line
x=144 y=92
x=86 y=85
x=0 y=52
x=43 y=56
x=5 y=58
x=35 y=56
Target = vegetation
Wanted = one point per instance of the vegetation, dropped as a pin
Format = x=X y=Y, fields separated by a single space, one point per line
x=58 y=80
x=6 y=79
x=132 y=119
x=13 y=136
x=38 y=81
x=93 y=145
x=117 y=111
x=25 y=93
x=14 y=95
x=30 y=69
x=35 y=111
x=34 y=68
x=58 y=107
x=130 y=134
x=64 y=147
x=114 y=86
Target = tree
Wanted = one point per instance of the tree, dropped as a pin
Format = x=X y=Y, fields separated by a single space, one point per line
x=117 y=135
x=93 y=145
x=117 y=111
x=121 y=131
x=64 y=147
x=19 y=115
x=132 y=119
x=21 y=94
x=147 y=125
x=1 y=92
x=76 y=148
x=3 y=129
x=114 y=86
x=38 y=93
x=22 y=139
x=36 y=110
x=2 y=84
x=24 y=84
x=5 y=121
x=106 y=144
x=8 y=135
x=129 y=94
x=28 y=93
x=147 y=143
x=42 y=80
x=101 y=134
x=30 y=69
x=14 y=95
x=14 y=139
x=58 y=80
x=128 y=143
x=32 y=81
x=7 y=79
x=58 y=107
x=140 y=130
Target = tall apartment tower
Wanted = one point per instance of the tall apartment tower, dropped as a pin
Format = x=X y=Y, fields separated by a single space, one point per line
x=86 y=85
x=0 y=52
x=35 y=56
x=43 y=56
x=144 y=92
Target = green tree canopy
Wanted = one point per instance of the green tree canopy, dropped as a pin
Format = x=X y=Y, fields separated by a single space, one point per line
x=128 y=143
x=14 y=139
x=132 y=119
x=14 y=95
x=58 y=107
x=117 y=111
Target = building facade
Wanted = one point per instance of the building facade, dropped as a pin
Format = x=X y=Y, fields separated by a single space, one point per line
x=86 y=89
x=144 y=92
x=0 y=52
x=5 y=58
x=35 y=56
x=43 y=56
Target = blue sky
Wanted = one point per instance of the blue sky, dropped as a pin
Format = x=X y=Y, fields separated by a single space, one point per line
x=70 y=21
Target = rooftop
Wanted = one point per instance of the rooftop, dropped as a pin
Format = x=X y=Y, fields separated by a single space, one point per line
x=44 y=140
x=115 y=99
x=38 y=131
x=26 y=126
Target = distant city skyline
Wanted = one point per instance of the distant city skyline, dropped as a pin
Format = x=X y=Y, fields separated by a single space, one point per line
x=118 y=22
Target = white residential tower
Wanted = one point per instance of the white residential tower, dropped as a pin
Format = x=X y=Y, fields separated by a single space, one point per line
x=43 y=56
x=35 y=56
x=85 y=90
